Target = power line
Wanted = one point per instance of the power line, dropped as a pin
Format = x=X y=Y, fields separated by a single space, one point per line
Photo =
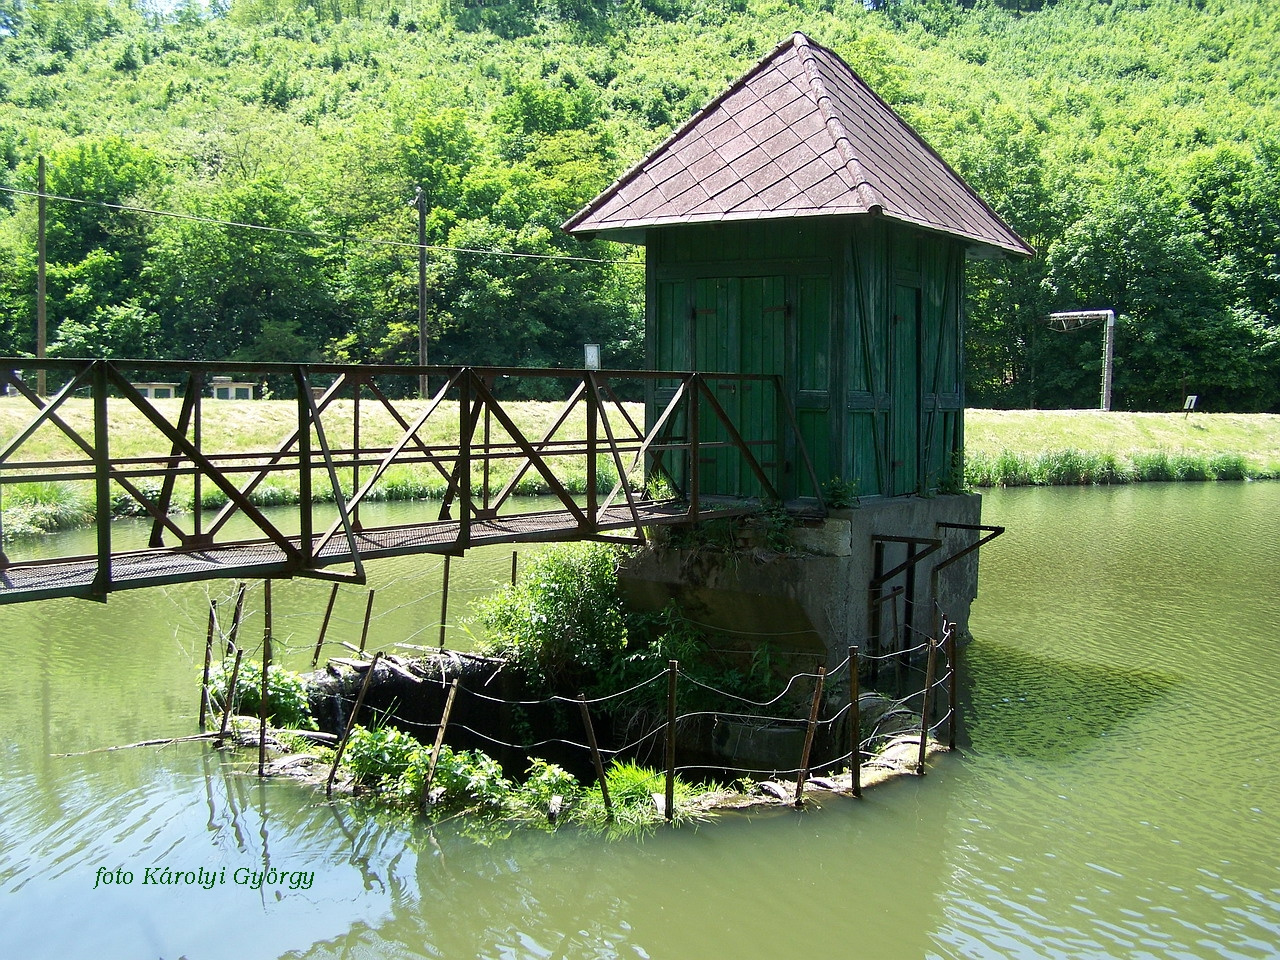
x=314 y=235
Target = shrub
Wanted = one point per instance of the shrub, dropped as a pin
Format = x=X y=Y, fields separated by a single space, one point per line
x=286 y=693
x=563 y=622
x=380 y=756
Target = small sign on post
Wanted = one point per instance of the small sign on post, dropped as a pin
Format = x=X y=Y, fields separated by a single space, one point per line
x=1188 y=405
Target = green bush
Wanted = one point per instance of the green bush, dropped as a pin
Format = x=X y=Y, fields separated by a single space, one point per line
x=286 y=693
x=380 y=756
x=563 y=622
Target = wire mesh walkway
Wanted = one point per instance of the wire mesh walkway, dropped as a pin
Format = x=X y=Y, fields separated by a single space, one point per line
x=462 y=451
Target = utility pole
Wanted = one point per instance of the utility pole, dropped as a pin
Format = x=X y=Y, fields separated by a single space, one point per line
x=41 y=336
x=420 y=201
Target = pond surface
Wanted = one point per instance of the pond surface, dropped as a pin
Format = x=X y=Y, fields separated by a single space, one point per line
x=1117 y=796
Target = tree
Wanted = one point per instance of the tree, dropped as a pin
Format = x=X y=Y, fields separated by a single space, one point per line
x=225 y=291
x=1142 y=253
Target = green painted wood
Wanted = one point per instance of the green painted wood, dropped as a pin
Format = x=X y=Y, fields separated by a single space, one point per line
x=876 y=401
x=904 y=387
x=867 y=456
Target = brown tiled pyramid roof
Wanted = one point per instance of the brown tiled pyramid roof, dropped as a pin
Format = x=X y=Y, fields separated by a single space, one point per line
x=801 y=135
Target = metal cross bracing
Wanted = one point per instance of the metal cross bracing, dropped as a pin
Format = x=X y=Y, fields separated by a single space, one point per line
x=345 y=444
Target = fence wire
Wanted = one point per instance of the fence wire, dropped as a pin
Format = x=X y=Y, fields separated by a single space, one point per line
x=892 y=709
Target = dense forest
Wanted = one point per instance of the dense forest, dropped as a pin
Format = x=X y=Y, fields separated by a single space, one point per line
x=235 y=179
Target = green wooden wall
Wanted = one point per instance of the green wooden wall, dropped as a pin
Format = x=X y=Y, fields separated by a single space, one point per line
x=860 y=316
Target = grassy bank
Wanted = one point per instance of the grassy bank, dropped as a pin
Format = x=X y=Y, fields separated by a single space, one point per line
x=258 y=426
x=1064 y=447
x=1004 y=447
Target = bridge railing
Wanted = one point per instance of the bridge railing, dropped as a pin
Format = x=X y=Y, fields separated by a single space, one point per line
x=103 y=439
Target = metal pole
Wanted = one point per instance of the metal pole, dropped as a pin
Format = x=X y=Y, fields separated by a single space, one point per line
x=41 y=315
x=263 y=708
x=1108 y=358
x=673 y=669
x=444 y=601
x=208 y=659
x=420 y=201
x=368 y=613
x=324 y=625
x=926 y=703
x=855 y=723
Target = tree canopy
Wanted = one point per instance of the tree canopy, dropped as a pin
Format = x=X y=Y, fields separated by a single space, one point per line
x=239 y=175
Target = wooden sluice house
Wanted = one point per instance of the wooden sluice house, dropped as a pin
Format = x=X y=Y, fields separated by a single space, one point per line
x=797 y=226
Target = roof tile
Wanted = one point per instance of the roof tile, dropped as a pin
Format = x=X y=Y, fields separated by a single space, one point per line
x=799 y=135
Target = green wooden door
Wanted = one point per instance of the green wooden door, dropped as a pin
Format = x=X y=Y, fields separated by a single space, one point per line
x=716 y=346
x=813 y=387
x=740 y=326
x=904 y=389
x=763 y=349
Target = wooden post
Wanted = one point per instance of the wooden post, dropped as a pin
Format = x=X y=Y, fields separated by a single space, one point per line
x=953 y=699
x=41 y=267
x=929 y=673
x=324 y=625
x=855 y=722
x=514 y=555
x=231 y=696
x=235 y=621
x=368 y=613
x=673 y=671
x=595 y=755
x=435 y=750
x=351 y=723
x=208 y=659
x=809 y=729
x=444 y=600
x=263 y=708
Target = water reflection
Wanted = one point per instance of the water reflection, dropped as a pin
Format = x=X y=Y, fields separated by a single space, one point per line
x=1117 y=797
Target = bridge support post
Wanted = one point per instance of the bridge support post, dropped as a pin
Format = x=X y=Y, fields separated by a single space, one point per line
x=102 y=480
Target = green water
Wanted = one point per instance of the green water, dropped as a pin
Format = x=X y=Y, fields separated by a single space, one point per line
x=1117 y=797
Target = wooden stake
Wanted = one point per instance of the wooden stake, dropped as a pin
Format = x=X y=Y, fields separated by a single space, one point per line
x=324 y=625
x=444 y=600
x=673 y=669
x=929 y=672
x=595 y=755
x=514 y=555
x=235 y=621
x=208 y=659
x=435 y=751
x=855 y=721
x=231 y=696
x=263 y=707
x=351 y=723
x=809 y=729
x=953 y=700
x=368 y=613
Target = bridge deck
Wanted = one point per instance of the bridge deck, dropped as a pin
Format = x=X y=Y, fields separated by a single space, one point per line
x=81 y=576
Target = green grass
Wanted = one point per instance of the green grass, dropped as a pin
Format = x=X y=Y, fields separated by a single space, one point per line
x=1064 y=447
x=1003 y=447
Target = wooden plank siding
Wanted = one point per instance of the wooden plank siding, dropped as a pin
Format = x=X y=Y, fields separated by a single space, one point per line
x=860 y=316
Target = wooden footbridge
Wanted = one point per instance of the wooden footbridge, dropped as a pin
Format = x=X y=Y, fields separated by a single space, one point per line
x=345 y=442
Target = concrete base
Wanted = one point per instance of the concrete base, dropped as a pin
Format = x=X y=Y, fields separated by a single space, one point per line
x=812 y=601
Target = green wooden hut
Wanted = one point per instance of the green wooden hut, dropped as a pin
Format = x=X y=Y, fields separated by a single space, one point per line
x=797 y=226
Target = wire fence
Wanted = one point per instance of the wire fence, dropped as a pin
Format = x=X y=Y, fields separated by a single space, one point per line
x=848 y=723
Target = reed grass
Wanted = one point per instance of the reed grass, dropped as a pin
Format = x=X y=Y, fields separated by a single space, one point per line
x=1073 y=467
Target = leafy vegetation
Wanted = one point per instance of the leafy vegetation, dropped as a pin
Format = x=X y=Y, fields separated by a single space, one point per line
x=1131 y=141
x=286 y=693
x=394 y=766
